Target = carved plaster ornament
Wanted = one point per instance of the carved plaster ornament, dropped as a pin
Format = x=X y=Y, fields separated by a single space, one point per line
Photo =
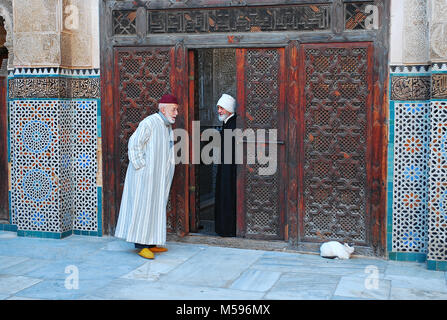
x=439 y=40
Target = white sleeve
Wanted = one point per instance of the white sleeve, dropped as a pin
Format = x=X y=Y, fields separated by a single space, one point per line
x=137 y=144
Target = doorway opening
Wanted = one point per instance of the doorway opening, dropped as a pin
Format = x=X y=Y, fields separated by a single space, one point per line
x=215 y=74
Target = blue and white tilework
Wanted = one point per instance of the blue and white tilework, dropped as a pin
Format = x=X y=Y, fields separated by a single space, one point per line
x=53 y=151
x=410 y=192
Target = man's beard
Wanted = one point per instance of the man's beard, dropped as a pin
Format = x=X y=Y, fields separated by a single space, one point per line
x=170 y=119
x=222 y=117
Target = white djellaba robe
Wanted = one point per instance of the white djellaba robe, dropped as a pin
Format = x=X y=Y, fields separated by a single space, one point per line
x=142 y=216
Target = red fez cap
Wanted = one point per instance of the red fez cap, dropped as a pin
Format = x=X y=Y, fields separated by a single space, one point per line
x=168 y=98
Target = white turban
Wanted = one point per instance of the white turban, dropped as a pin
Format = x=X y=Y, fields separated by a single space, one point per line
x=227 y=102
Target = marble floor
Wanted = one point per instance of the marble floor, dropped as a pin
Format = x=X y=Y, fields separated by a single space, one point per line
x=80 y=267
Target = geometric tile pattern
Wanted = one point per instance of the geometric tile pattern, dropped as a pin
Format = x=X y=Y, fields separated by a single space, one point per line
x=437 y=220
x=36 y=177
x=418 y=165
x=54 y=163
x=85 y=165
x=66 y=186
x=410 y=180
x=54 y=144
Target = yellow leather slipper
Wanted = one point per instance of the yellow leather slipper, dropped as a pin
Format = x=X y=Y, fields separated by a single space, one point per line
x=158 y=249
x=146 y=253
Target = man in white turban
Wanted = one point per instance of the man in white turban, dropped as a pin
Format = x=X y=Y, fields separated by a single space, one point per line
x=225 y=202
x=142 y=217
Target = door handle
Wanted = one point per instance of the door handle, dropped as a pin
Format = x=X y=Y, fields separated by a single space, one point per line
x=266 y=142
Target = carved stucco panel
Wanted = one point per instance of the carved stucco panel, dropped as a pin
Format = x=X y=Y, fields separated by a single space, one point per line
x=31 y=49
x=63 y=34
x=416 y=32
x=36 y=16
x=438 y=10
x=36 y=33
x=76 y=50
x=76 y=37
x=438 y=30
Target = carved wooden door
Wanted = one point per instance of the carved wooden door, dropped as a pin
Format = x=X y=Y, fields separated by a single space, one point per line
x=336 y=90
x=142 y=76
x=260 y=97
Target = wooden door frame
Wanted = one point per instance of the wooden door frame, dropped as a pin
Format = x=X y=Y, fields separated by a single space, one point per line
x=288 y=40
x=4 y=172
x=191 y=189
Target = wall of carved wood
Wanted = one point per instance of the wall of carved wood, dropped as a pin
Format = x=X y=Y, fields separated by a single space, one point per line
x=196 y=24
x=143 y=77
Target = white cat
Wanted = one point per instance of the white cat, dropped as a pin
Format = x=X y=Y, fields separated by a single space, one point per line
x=334 y=249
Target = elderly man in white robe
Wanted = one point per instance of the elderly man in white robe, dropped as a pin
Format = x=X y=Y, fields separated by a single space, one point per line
x=142 y=217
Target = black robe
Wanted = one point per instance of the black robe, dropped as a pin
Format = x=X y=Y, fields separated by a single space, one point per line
x=225 y=201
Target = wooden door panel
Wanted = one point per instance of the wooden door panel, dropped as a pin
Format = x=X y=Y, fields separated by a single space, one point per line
x=142 y=76
x=179 y=190
x=260 y=78
x=336 y=90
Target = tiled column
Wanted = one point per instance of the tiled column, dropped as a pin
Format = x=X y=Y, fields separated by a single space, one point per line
x=42 y=189
x=86 y=154
x=409 y=131
x=417 y=176
x=408 y=162
x=437 y=215
x=54 y=94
